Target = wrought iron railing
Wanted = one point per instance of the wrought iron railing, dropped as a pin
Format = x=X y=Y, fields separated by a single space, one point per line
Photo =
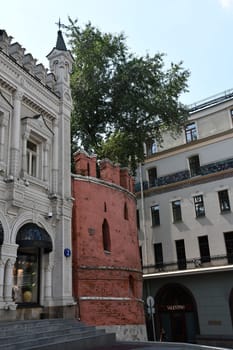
x=210 y=101
x=199 y=262
x=185 y=174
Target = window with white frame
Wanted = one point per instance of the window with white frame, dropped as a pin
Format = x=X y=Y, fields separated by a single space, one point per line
x=32 y=158
x=155 y=218
x=191 y=132
x=176 y=210
x=224 y=201
x=199 y=205
x=151 y=147
x=194 y=165
x=152 y=175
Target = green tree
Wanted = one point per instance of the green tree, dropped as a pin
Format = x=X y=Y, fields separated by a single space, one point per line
x=121 y=100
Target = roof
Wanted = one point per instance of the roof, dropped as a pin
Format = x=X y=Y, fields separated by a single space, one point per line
x=60 y=45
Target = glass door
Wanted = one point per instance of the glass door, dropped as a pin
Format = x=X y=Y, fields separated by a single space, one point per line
x=26 y=276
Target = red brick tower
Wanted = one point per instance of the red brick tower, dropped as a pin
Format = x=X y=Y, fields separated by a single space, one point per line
x=107 y=276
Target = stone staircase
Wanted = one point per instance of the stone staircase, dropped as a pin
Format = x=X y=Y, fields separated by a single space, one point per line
x=52 y=334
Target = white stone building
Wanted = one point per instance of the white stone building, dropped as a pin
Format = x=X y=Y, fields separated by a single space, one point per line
x=185 y=207
x=35 y=191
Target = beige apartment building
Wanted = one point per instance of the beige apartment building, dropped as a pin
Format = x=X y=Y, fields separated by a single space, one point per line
x=185 y=224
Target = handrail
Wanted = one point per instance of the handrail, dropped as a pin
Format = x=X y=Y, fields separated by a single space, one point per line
x=212 y=100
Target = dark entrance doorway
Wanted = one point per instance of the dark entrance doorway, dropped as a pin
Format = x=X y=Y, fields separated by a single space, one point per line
x=177 y=313
x=178 y=326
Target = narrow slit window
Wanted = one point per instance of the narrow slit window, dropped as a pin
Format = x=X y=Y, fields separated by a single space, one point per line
x=106 y=236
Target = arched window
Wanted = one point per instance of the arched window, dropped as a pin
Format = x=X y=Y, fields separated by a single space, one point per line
x=31 y=235
x=106 y=236
x=131 y=285
x=126 y=214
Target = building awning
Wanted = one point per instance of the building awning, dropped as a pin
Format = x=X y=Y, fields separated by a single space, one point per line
x=31 y=235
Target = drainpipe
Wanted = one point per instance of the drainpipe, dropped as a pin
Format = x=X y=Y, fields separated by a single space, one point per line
x=143 y=214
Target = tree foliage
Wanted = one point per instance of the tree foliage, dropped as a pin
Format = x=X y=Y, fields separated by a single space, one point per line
x=121 y=100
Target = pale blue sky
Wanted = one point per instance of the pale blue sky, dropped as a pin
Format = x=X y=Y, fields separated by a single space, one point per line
x=198 y=32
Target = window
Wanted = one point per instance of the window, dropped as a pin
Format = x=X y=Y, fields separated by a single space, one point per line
x=231 y=113
x=126 y=214
x=31 y=158
x=106 y=236
x=204 y=248
x=176 y=210
x=151 y=147
x=152 y=174
x=26 y=276
x=140 y=254
x=158 y=250
x=224 y=202
x=229 y=246
x=190 y=132
x=194 y=166
x=131 y=285
x=199 y=206
x=181 y=257
x=155 y=215
x=138 y=219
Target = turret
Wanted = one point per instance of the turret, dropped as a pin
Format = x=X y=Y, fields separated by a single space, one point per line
x=60 y=62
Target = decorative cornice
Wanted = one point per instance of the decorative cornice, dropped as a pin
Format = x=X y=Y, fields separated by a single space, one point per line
x=86 y=298
x=15 y=76
x=182 y=273
x=117 y=268
x=102 y=183
x=190 y=146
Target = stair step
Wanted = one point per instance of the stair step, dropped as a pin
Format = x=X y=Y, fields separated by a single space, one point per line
x=51 y=334
x=40 y=334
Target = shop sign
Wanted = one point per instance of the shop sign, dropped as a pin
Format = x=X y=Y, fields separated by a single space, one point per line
x=175 y=307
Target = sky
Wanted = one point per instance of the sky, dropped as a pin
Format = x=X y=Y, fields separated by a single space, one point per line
x=197 y=32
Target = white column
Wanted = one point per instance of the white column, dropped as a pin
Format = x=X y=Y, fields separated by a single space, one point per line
x=3 y=124
x=24 y=152
x=56 y=149
x=46 y=163
x=7 y=291
x=2 y=265
x=48 y=283
x=15 y=134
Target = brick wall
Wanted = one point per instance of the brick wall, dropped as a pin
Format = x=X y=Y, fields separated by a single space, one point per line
x=107 y=284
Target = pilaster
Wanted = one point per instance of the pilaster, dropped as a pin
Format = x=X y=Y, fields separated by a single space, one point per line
x=15 y=134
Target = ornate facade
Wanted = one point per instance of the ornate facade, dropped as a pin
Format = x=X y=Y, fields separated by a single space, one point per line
x=35 y=185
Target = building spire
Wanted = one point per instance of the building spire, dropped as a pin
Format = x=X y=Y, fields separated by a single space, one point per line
x=60 y=45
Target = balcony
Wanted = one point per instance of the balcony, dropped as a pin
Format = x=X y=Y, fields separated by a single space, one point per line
x=183 y=175
x=198 y=264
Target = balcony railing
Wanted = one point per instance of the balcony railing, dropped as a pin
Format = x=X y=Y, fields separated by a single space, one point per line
x=185 y=174
x=214 y=261
x=211 y=101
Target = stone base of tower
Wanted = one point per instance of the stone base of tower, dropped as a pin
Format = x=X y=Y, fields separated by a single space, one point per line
x=37 y=313
x=130 y=332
